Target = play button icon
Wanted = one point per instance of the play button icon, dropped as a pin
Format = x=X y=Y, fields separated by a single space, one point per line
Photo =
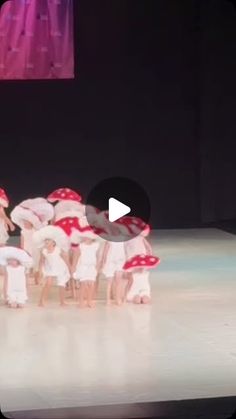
x=116 y=199
x=117 y=210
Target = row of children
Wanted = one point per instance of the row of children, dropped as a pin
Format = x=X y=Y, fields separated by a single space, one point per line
x=70 y=252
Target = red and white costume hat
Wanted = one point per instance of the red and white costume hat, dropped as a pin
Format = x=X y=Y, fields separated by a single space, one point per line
x=68 y=203
x=65 y=209
x=141 y=261
x=64 y=194
x=37 y=211
x=4 y=201
x=84 y=230
x=134 y=225
x=51 y=233
x=10 y=252
x=68 y=225
x=114 y=229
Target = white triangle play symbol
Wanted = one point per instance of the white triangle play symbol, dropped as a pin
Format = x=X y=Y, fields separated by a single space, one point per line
x=117 y=210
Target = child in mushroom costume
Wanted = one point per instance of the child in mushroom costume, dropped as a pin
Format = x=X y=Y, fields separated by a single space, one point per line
x=31 y=215
x=68 y=225
x=68 y=203
x=86 y=261
x=5 y=222
x=135 y=232
x=139 y=265
x=16 y=262
x=113 y=257
x=54 y=264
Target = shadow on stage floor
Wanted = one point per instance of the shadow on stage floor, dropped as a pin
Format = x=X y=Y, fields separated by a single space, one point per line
x=215 y=408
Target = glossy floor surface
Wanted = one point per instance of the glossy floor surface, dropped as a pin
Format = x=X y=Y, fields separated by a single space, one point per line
x=183 y=346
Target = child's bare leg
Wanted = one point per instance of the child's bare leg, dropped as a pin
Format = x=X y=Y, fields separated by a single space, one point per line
x=76 y=290
x=95 y=289
x=113 y=290
x=108 y=292
x=118 y=288
x=82 y=293
x=128 y=285
x=36 y=275
x=4 y=291
x=62 y=295
x=90 y=294
x=145 y=299
x=45 y=291
x=73 y=290
x=137 y=299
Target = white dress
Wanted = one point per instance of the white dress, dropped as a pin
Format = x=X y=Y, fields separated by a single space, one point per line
x=3 y=232
x=30 y=247
x=140 y=286
x=16 y=285
x=115 y=259
x=86 y=269
x=55 y=266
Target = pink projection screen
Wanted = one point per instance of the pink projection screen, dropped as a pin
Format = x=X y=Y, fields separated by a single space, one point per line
x=36 y=40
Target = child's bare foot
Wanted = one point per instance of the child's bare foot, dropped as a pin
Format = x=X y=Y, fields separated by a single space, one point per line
x=63 y=304
x=91 y=304
x=20 y=306
x=108 y=302
x=41 y=304
x=81 y=305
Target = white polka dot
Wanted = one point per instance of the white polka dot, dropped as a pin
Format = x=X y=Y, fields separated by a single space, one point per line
x=143 y=262
x=152 y=259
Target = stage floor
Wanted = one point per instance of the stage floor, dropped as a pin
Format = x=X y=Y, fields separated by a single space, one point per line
x=183 y=346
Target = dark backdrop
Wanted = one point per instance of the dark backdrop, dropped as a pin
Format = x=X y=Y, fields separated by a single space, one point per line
x=153 y=100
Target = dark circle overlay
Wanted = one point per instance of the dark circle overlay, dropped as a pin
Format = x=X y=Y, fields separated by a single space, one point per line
x=124 y=190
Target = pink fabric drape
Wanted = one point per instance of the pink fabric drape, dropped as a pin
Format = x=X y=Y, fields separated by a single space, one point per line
x=36 y=39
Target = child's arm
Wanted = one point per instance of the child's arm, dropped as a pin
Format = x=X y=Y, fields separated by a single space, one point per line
x=22 y=241
x=41 y=262
x=75 y=259
x=27 y=276
x=7 y=220
x=104 y=254
x=100 y=258
x=65 y=257
x=5 y=285
x=147 y=247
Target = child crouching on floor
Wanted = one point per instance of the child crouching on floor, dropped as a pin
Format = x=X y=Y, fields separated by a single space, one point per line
x=16 y=263
x=140 y=290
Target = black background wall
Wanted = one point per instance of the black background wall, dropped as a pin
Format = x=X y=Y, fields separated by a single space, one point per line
x=153 y=100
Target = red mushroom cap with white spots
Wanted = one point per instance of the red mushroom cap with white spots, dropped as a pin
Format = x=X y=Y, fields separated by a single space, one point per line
x=141 y=261
x=134 y=225
x=85 y=230
x=4 y=201
x=64 y=194
x=68 y=225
